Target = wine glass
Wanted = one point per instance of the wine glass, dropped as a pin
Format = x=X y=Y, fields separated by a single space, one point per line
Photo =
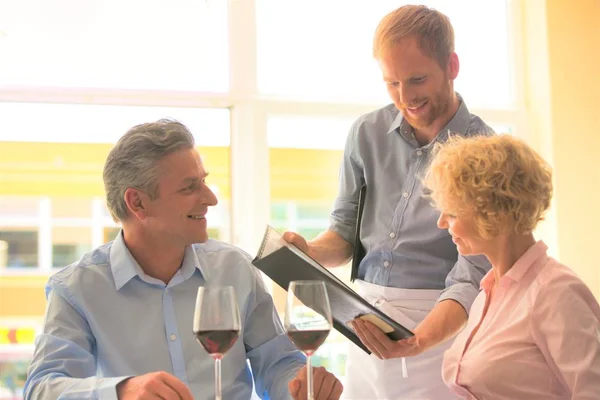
x=216 y=324
x=308 y=320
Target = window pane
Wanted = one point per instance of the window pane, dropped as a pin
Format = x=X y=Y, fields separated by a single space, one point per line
x=160 y=44
x=110 y=233
x=17 y=337
x=503 y=129
x=72 y=207
x=18 y=247
x=307 y=133
x=69 y=244
x=13 y=374
x=304 y=158
x=78 y=123
x=336 y=64
x=58 y=151
x=16 y=206
x=302 y=192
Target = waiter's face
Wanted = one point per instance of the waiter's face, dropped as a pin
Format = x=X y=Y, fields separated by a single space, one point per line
x=419 y=87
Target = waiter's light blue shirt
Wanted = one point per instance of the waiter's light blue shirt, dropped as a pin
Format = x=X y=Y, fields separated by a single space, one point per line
x=404 y=247
x=106 y=320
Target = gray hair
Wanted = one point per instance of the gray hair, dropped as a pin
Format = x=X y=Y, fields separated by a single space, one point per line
x=132 y=163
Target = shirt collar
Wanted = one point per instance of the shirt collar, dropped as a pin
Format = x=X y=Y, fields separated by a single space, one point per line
x=124 y=267
x=520 y=267
x=459 y=123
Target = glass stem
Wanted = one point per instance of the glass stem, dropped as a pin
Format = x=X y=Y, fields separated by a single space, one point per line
x=309 y=378
x=218 y=379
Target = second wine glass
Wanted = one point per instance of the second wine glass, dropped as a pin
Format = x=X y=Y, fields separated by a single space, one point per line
x=308 y=320
x=216 y=324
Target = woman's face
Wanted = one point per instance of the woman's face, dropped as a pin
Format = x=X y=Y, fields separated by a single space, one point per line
x=464 y=233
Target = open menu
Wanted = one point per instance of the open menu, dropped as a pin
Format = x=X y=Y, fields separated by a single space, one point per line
x=283 y=262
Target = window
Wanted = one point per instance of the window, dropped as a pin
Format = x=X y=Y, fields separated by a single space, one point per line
x=18 y=247
x=76 y=75
x=305 y=153
x=13 y=374
x=304 y=57
x=51 y=161
x=12 y=207
x=110 y=234
x=304 y=157
x=69 y=244
x=84 y=123
x=16 y=345
x=133 y=44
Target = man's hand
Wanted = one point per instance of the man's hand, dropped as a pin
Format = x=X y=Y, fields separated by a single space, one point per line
x=326 y=386
x=381 y=345
x=153 y=386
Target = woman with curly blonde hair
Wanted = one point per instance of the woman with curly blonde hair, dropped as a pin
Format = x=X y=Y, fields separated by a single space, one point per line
x=534 y=330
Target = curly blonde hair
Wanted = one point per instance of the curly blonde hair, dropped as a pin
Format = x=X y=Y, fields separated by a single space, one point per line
x=499 y=180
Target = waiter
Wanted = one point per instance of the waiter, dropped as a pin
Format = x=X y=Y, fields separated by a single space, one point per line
x=411 y=270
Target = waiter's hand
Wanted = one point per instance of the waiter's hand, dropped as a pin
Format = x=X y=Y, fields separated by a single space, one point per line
x=381 y=345
x=297 y=240
x=325 y=385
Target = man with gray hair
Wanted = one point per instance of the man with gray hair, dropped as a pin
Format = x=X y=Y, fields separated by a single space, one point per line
x=119 y=321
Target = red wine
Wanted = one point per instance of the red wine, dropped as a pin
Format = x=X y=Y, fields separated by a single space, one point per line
x=217 y=342
x=308 y=341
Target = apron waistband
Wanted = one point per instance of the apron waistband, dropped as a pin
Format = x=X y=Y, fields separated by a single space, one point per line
x=408 y=307
x=422 y=297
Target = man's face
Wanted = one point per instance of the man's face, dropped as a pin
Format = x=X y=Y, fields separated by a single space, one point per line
x=418 y=86
x=179 y=212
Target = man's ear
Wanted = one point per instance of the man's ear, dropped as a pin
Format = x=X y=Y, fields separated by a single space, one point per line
x=136 y=201
x=453 y=66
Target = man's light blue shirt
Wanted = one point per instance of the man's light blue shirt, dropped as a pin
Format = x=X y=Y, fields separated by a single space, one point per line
x=107 y=320
x=404 y=247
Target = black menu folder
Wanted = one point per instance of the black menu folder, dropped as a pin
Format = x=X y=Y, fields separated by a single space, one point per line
x=283 y=262
x=359 y=251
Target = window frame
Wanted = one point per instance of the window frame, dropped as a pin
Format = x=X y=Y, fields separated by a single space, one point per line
x=249 y=111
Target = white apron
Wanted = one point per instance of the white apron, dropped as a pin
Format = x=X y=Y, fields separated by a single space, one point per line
x=411 y=378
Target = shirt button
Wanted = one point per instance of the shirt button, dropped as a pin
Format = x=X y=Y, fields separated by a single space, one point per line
x=392 y=235
x=378 y=303
x=173 y=337
x=405 y=194
x=419 y=153
x=386 y=264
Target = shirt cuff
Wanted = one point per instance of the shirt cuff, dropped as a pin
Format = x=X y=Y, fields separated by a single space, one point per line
x=345 y=231
x=463 y=293
x=107 y=390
